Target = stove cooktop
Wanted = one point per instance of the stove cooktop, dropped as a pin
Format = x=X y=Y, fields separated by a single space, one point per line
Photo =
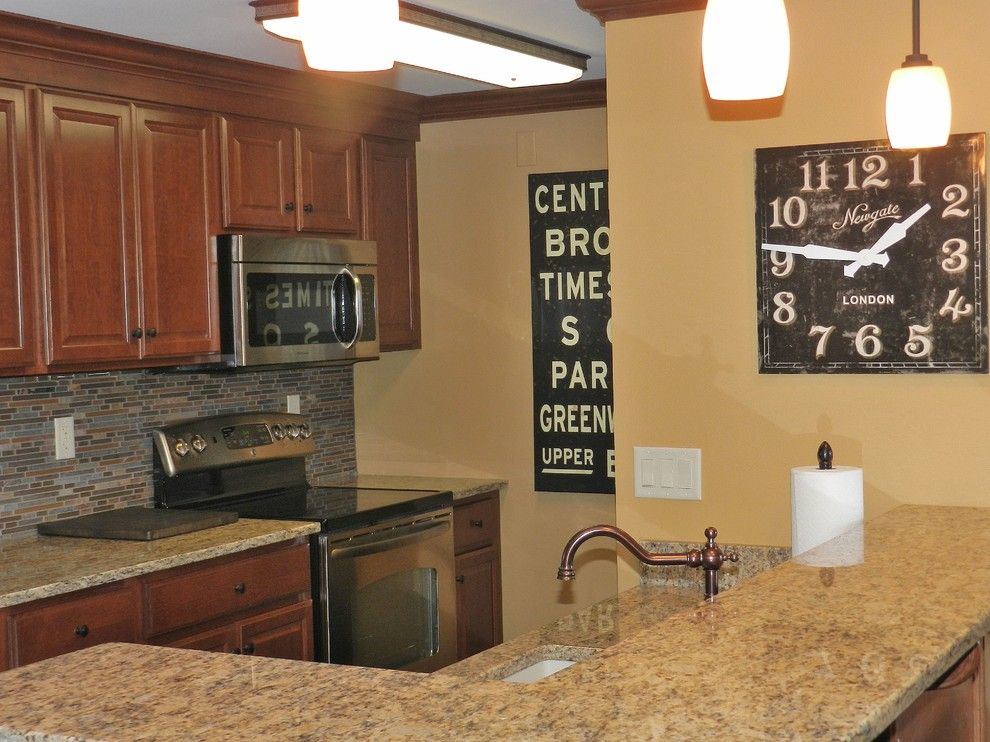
x=338 y=508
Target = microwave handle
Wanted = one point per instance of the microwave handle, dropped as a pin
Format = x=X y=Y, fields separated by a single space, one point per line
x=392 y=539
x=358 y=305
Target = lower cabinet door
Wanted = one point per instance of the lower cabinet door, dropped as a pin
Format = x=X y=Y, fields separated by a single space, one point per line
x=222 y=639
x=286 y=633
x=479 y=603
x=75 y=621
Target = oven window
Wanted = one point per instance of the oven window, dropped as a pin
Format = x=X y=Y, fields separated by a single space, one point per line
x=390 y=623
x=292 y=309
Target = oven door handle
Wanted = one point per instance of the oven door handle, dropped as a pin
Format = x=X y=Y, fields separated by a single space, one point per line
x=392 y=539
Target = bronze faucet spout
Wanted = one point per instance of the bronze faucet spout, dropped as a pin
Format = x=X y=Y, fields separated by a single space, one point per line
x=709 y=558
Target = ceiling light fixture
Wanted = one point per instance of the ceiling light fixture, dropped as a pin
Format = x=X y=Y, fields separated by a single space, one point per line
x=745 y=49
x=347 y=36
x=445 y=43
x=919 y=107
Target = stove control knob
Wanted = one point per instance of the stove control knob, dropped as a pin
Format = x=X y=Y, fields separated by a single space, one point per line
x=278 y=431
x=293 y=430
x=304 y=431
x=181 y=447
x=198 y=443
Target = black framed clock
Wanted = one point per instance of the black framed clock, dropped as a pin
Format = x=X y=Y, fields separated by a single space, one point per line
x=871 y=259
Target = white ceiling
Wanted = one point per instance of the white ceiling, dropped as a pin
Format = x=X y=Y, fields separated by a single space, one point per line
x=227 y=27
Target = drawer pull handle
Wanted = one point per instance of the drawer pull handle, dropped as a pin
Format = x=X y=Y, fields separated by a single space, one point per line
x=248 y=648
x=240 y=588
x=82 y=631
x=477 y=523
x=460 y=578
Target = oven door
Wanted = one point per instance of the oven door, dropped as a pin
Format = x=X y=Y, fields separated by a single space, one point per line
x=390 y=596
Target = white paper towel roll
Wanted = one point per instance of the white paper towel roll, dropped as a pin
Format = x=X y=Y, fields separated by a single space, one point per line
x=824 y=504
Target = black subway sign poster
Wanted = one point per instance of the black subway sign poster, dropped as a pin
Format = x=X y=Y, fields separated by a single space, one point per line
x=572 y=346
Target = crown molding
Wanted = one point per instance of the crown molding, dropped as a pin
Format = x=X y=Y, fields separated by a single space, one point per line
x=614 y=10
x=511 y=102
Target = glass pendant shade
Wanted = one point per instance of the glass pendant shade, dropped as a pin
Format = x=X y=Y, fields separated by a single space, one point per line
x=745 y=49
x=349 y=35
x=919 y=107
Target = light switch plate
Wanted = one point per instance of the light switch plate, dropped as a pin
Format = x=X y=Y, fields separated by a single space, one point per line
x=668 y=473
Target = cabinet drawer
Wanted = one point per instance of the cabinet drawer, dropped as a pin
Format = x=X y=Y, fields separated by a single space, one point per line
x=202 y=594
x=475 y=524
x=74 y=622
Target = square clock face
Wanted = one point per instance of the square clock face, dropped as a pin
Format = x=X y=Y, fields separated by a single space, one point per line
x=871 y=259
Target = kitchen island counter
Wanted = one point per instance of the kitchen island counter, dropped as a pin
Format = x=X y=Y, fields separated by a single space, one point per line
x=797 y=652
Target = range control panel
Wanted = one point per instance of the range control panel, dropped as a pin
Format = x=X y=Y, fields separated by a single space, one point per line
x=226 y=440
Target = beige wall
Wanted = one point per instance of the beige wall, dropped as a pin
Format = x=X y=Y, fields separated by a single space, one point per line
x=462 y=406
x=684 y=306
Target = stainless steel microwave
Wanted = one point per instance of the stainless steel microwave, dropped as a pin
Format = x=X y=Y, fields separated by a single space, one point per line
x=294 y=300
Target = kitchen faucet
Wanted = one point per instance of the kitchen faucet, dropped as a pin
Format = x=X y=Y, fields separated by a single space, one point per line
x=710 y=558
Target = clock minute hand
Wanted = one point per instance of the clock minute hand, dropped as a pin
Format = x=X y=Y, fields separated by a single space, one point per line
x=822 y=252
x=895 y=233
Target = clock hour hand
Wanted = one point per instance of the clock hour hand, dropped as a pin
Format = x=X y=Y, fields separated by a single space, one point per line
x=823 y=252
x=895 y=233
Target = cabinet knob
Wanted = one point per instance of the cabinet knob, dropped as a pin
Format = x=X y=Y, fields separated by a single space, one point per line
x=152 y=332
x=477 y=523
x=137 y=333
x=240 y=588
x=290 y=207
x=248 y=648
x=308 y=208
x=460 y=578
x=82 y=631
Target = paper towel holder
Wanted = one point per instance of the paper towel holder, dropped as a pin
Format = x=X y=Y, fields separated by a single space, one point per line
x=824 y=456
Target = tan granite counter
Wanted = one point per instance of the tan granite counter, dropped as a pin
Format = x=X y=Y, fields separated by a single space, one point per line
x=797 y=652
x=42 y=566
x=461 y=486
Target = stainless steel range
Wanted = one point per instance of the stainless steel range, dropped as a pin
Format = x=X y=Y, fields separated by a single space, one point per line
x=383 y=563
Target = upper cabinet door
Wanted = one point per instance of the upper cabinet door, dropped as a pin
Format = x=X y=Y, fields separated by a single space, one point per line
x=389 y=218
x=178 y=200
x=87 y=174
x=19 y=346
x=258 y=172
x=328 y=181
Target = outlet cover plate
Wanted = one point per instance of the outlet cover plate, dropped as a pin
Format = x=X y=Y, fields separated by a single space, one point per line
x=668 y=473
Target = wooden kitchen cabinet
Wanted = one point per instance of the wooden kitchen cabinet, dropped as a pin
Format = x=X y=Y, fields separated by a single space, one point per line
x=178 y=190
x=952 y=710
x=117 y=294
x=286 y=633
x=389 y=218
x=280 y=177
x=478 y=569
x=87 y=177
x=20 y=346
x=255 y=602
x=81 y=619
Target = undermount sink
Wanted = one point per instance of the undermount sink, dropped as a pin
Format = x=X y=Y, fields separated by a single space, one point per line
x=541 y=662
x=538 y=671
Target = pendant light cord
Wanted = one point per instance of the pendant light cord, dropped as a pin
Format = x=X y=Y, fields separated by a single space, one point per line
x=916 y=58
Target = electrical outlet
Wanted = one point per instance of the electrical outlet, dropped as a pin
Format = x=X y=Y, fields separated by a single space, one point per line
x=668 y=473
x=65 y=438
x=292 y=403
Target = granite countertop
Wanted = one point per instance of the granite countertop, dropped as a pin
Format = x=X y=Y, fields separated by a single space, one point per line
x=42 y=566
x=461 y=486
x=796 y=652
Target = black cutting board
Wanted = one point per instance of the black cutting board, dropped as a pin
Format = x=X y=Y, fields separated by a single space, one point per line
x=137 y=523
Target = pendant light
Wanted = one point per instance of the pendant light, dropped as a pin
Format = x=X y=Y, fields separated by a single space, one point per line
x=919 y=108
x=745 y=49
x=349 y=36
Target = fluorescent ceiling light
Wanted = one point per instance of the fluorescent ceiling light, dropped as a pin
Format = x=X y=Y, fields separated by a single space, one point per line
x=347 y=36
x=437 y=41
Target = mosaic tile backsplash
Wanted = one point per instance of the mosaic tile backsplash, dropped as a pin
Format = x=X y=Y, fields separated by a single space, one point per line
x=114 y=415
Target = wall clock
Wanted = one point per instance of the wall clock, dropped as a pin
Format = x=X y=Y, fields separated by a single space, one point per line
x=870 y=259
